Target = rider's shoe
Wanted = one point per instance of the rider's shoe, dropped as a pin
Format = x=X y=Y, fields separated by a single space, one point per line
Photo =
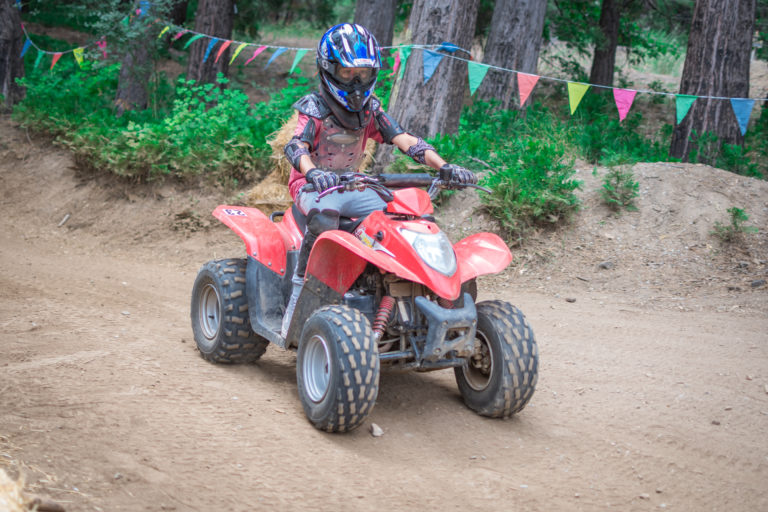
x=298 y=284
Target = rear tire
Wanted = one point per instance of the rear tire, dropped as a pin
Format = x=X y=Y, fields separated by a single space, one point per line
x=337 y=369
x=500 y=377
x=219 y=314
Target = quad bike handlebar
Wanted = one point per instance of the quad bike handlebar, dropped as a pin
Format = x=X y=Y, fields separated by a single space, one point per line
x=383 y=183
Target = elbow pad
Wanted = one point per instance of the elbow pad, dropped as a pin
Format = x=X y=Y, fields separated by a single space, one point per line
x=294 y=151
x=388 y=127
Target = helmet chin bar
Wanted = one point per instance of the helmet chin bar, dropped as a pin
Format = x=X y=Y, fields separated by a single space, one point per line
x=352 y=96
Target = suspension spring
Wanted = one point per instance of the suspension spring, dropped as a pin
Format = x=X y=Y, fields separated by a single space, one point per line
x=382 y=316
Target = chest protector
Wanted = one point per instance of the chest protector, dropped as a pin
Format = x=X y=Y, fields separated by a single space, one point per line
x=336 y=148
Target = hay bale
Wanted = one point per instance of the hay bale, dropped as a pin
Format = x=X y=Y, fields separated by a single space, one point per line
x=271 y=194
x=11 y=497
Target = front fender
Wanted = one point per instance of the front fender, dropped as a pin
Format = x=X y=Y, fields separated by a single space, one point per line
x=481 y=253
x=262 y=239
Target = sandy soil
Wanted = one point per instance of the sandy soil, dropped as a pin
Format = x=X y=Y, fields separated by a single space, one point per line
x=653 y=388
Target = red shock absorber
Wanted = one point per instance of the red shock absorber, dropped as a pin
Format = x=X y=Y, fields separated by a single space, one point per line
x=382 y=316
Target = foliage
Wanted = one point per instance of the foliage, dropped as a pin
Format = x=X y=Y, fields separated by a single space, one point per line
x=619 y=189
x=735 y=229
x=708 y=149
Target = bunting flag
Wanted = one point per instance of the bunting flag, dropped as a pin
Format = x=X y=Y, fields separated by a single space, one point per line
x=224 y=46
x=397 y=64
x=405 y=52
x=477 y=72
x=162 y=32
x=26 y=46
x=56 y=57
x=258 y=51
x=448 y=47
x=277 y=53
x=742 y=107
x=179 y=34
x=624 y=99
x=525 y=84
x=211 y=44
x=192 y=40
x=38 y=59
x=78 y=53
x=431 y=60
x=143 y=9
x=237 y=52
x=683 y=104
x=102 y=44
x=576 y=92
x=299 y=55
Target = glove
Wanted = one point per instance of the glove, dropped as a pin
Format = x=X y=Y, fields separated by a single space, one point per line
x=322 y=180
x=457 y=175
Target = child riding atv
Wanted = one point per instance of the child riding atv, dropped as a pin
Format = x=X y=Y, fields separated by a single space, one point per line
x=329 y=140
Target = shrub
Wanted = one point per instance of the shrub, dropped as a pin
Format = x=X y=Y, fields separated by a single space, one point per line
x=735 y=229
x=619 y=189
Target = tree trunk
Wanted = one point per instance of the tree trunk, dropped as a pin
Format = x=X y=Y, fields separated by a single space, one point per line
x=135 y=72
x=717 y=64
x=513 y=42
x=604 y=59
x=214 y=18
x=179 y=11
x=378 y=16
x=11 y=43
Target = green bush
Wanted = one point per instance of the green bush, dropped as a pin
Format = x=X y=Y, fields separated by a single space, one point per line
x=619 y=189
x=735 y=229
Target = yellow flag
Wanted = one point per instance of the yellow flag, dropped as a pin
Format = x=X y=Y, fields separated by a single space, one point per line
x=78 y=53
x=162 y=32
x=575 y=94
x=237 y=52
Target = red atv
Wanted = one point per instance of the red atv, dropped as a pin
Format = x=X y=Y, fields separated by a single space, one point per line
x=387 y=290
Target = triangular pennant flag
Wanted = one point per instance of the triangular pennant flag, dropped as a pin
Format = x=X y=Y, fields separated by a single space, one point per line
x=179 y=34
x=211 y=44
x=525 y=84
x=255 y=53
x=103 y=47
x=78 y=53
x=448 y=47
x=39 y=58
x=299 y=55
x=162 y=32
x=405 y=52
x=192 y=40
x=237 y=52
x=576 y=92
x=477 y=72
x=26 y=46
x=624 y=99
x=224 y=46
x=56 y=57
x=277 y=53
x=143 y=9
x=742 y=107
x=683 y=104
x=431 y=60
x=396 y=64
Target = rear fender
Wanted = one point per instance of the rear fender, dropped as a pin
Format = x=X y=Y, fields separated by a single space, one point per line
x=263 y=241
x=480 y=254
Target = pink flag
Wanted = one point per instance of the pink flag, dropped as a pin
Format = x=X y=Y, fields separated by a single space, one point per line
x=179 y=34
x=397 y=64
x=624 y=99
x=258 y=51
x=525 y=84
x=56 y=57
x=221 y=50
x=103 y=47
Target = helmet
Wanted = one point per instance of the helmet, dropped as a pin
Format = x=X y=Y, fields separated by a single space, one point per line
x=343 y=47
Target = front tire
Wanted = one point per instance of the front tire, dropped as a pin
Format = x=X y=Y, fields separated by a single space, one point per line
x=219 y=314
x=500 y=377
x=337 y=369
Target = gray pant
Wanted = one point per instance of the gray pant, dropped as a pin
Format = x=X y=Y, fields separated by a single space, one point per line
x=353 y=204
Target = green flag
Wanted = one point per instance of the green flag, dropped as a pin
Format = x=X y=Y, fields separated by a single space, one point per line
x=477 y=72
x=683 y=104
x=299 y=55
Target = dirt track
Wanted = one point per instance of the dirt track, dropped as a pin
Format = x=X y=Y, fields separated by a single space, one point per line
x=105 y=404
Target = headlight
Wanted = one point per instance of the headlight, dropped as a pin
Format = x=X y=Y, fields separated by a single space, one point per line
x=435 y=249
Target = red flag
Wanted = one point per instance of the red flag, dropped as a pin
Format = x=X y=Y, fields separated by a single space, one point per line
x=221 y=50
x=525 y=83
x=56 y=57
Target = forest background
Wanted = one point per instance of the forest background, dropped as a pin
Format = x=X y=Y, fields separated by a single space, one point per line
x=152 y=106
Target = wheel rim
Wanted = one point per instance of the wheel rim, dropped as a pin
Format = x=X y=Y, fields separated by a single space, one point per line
x=479 y=367
x=209 y=311
x=316 y=368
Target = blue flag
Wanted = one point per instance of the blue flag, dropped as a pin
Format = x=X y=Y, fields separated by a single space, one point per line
x=448 y=47
x=26 y=47
x=210 y=47
x=431 y=60
x=742 y=108
x=278 y=52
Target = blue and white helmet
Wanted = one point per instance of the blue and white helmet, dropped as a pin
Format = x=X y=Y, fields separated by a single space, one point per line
x=342 y=48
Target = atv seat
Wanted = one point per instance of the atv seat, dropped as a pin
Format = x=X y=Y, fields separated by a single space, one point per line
x=345 y=223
